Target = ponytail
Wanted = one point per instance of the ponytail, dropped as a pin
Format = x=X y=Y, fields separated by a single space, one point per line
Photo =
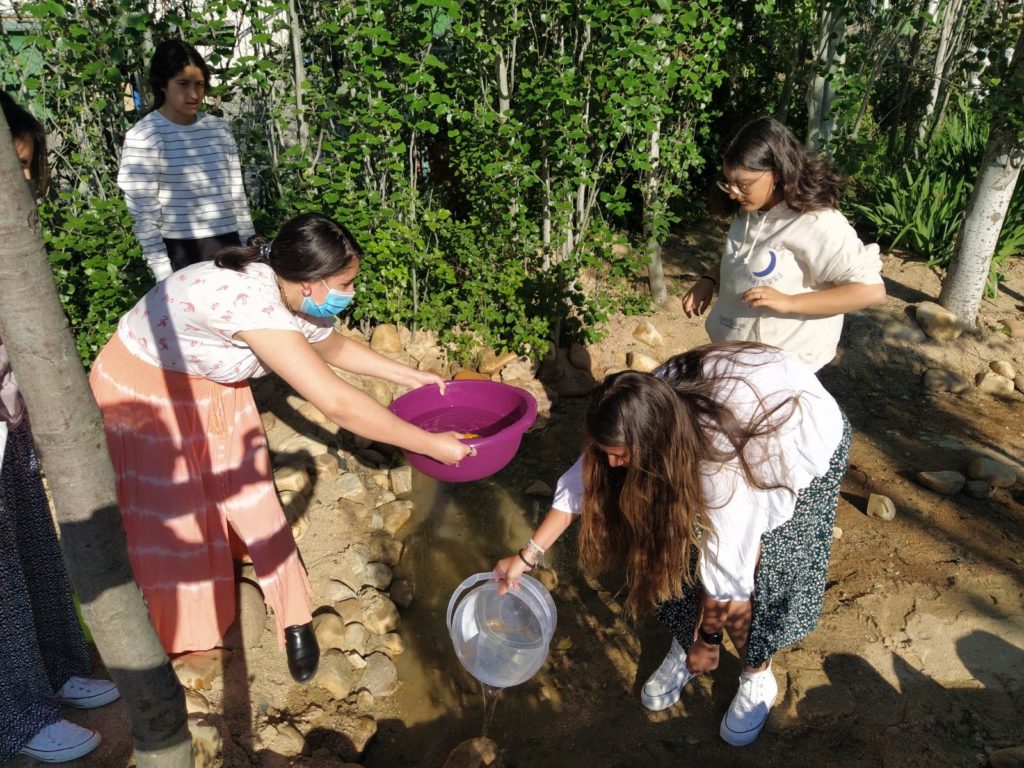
x=237 y=257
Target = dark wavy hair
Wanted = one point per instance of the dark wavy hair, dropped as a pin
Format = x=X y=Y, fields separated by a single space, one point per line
x=806 y=181
x=308 y=247
x=169 y=58
x=650 y=515
x=24 y=126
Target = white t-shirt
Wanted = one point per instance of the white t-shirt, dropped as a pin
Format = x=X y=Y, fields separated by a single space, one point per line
x=794 y=253
x=187 y=322
x=800 y=451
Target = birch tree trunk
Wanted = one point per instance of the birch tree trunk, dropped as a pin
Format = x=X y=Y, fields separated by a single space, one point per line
x=820 y=95
x=964 y=286
x=655 y=267
x=69 y=434
x=299 y=74
x=950 y=14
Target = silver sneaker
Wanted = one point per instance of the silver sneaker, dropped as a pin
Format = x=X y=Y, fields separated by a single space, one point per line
x=665 y=686
x=61 y=741
x=748 y=712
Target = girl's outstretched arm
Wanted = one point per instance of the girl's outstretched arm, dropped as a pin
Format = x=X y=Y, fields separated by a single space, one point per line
x=837 y=300
x=509 y=569
x=349 y=355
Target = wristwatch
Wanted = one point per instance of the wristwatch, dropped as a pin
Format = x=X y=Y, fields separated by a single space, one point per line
x=711 y=638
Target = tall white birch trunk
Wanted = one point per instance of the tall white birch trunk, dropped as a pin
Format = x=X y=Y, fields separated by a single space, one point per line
x=821 y=94
x=655 y=267
x=299 y=74
x=950 y=14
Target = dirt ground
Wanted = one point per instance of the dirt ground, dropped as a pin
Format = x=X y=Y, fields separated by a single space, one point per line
x=918 y=659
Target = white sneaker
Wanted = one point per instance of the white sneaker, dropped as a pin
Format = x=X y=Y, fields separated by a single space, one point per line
x=85 y=693
x=748 y=712
x=665 y=686
x=60 y=742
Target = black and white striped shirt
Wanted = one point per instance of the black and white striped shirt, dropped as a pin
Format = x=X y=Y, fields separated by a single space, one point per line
x=182 y=182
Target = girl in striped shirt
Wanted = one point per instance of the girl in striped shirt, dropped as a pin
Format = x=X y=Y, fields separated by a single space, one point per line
x=180 y=172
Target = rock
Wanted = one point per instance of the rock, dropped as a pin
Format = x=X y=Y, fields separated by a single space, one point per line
x=646 y=333
x=380 y=614
x=385 y=498
x=941 y=380
x=434 y=362
x=1003 y=368
x=269 y=420
x=206 y=742
x=480 y=752
x=380 y=479
x=390 y=645
x=613 y=369
x=977 y=489
x=401 y=593
x=380 y=676
x=539 y=488
x=994 y=384
x=491 y=362
x=339 y=591
x=329 y=629
x=903 y=332
x=520 y=368
x=547 y=577
x=357 y=661
x=350 y=610
x=371 y=459
x=945 y=482
x=1014 y=327
x=355 y=639
x=378 y=576
x=200 y=669
x=294 y=506
x=299 y=448
x=467 y=375
x=384 y=549
x=327 y=464
x=637 y=361
x=837 y=532
x=1018 y=382
x=351 y=488
x=395 y=515
x=381 y=391
x=196 y=703
x=1008 y=757
x=288 y=742
x=937 y=321
x=575 y=383
x=881 y=507
x=385 y=339
x=401 y=479
x=336 y=674
x=421 y=344
x=991 y=471
x=540 y=393
x=359 y=731
x=365 y=701
x=247 y=630
x=314 y=415
x=293 y=477
x=579 y=357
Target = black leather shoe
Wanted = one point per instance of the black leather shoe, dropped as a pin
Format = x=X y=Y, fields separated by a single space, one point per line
x=303 y=651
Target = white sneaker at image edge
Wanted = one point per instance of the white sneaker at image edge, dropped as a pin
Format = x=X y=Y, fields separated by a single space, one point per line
x=85 y=693
x=60 y=742
x=748 y=712
x=665 y=686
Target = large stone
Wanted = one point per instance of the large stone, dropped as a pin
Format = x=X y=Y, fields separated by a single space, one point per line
x=378 y=576
x=881 y=507
x=350 y=610
x=434 y=362
x=993 y=472
x=359 y=731
x=314 y=415
x=1003 y=368
x=977 y=489
x=491 y=362
x=937 y=321
x=355 y=638
x=288 y=741
x=299 y=448
x=329 y=629
x=638 y=361
x=390 y=644
x=401 y=592
x=206 y=742
x=994 y=384
x=480 y=752
x=422 y=344
x=520 y=368
x=942 y=380
x=401 y=479
x=293 y=477
x=945 y=482
x=646 y=333
x=1018 y=382
x=395 y=515
x=1014 y=327
x=467 y=375
x=351 y=488
x=384 y=549
x=381 y=391
x=350 y=566
x=386 y=339
x=200 y=669
x=327 y=465
x=336 y=674
x=379 y=614
x=196 y=703
x=544 y=398
x=380 y=676
x=579 y=356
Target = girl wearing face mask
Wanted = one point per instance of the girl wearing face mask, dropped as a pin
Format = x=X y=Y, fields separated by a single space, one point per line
x=792 y=265
x=180 y=172
x=186 y=438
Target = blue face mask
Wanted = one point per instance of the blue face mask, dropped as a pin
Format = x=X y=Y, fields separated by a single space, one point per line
x=334 y=303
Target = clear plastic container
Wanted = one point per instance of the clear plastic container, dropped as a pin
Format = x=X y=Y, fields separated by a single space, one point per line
x=501 y=640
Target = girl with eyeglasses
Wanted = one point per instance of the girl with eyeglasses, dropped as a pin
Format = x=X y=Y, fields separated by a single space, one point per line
x=792 y=265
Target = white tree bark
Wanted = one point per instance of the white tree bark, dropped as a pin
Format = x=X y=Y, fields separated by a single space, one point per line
x=950 y=13
x=655 y=267
x=299 y=74
x=820 y=122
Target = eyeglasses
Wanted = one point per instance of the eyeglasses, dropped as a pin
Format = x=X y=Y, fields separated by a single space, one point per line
x=739 y=190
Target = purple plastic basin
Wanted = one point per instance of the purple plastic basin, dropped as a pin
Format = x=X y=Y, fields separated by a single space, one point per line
x=497 y=412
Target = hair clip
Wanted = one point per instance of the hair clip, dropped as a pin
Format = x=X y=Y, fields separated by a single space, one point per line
x=265 y=252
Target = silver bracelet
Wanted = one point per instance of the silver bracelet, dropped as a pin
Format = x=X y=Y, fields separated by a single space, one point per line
x=535 y=550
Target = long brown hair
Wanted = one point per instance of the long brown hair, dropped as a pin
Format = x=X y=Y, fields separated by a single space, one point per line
x=651 y=515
